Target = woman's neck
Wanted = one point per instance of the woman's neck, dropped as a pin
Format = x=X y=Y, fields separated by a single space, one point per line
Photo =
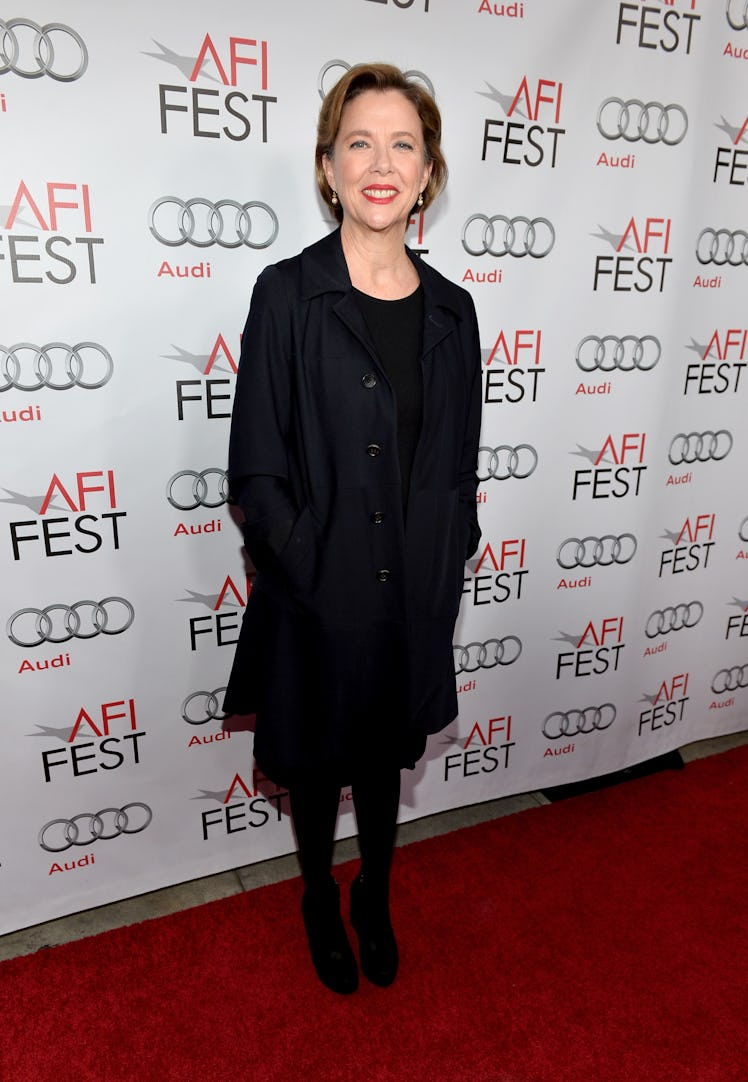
x=378 y=263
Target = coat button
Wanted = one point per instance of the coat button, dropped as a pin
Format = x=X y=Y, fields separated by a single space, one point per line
x=369 y=380
x=376 y=518
x=383 y=575
x=373 y=450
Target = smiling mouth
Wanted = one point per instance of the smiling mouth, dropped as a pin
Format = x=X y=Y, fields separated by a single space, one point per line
x=380 y=195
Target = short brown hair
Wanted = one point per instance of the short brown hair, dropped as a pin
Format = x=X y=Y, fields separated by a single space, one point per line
x=380 y=77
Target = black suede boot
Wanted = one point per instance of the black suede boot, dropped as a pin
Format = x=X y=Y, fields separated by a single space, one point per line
x=370 y=917
x=331 y=952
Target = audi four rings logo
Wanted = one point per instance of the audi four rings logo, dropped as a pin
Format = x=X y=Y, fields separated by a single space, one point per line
x=226 y=223
x=663 y=621
x=730 y=679
x=650 y=121
x=107 y=824
x=486 y=655
x=205 y=704
x=743 y=531
x=343 y=65
x=520 y=236
x=596 y=551
x=188 y=489
x=39 y=56
x=57 y=366
x=574 y=722
x=737 y=14
x=84 y=620
x=700 y=446
x=625 y=353
x=720 y=246
x=504 y=462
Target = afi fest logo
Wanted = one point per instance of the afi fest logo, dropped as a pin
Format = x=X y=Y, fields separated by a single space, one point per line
x=731 y=162
x=214 y=389
x=529 y=135
x=720 y=365
x=595 y=652
x=601 y=482
x=512 y=367
x=668 y=28
x=65 y=250
x=650 y=240
x=690 y=546
x=220 y=624
x=666 y=706
x=236 y=111
x=242 y=807
x=104 y=738
x=485 y=750
x=498 y=573
x=95 y=523
x=737 y=623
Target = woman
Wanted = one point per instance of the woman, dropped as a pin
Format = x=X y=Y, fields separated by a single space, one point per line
x=353 y=453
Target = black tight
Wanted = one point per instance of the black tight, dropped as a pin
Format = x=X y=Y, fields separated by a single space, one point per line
x=314 y=807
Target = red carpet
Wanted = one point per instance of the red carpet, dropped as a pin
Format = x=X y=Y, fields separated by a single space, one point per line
x=601 y=939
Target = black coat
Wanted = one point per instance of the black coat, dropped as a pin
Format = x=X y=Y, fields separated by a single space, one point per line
x=346 y=641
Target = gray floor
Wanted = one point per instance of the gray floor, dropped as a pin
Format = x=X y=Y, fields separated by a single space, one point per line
x=185 y=895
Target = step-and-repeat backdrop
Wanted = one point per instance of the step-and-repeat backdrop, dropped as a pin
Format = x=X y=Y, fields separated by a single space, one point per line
x=155 y=158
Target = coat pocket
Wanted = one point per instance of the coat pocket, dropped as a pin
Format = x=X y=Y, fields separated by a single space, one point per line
x=297 y=559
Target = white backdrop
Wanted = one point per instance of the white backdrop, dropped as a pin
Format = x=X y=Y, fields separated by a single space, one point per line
x=597 y=212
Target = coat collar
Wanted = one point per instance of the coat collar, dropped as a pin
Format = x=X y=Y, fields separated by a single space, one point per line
x=324 y=270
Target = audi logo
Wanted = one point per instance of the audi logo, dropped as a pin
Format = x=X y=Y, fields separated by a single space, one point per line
x=743 y=531
x=626 y=353
x=503 y=462
x=343 y=65
x=596 y=551
x=720 y=246
x=649 y=121
x=486 y=655
x=536 y=238
x=574 y=722
x=96 y=826
x=84 y=620
x=56 y=365
x=663 y=621
x=737 y=22
x=45 y=60
x=700 y=446
x=206 y=704
x=181 y=220
x=188 y=489
x=730 y=679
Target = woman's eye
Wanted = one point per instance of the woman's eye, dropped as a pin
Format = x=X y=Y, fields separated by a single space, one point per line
x=404 y=146
x=357 y=143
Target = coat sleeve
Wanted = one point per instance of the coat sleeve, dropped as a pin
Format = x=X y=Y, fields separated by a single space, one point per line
x=261 y=430
x=469 y=461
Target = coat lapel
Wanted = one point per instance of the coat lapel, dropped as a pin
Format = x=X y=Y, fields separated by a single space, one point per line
x=324 y=270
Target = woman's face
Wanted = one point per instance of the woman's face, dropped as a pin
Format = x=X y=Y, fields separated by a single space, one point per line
x=378 y=167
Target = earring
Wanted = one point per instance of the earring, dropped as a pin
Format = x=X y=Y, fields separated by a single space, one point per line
x=420 y=199
x=334 y=198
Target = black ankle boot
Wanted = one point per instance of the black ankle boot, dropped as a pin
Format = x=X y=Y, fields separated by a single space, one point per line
x=331 y=952
x=370 y=917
